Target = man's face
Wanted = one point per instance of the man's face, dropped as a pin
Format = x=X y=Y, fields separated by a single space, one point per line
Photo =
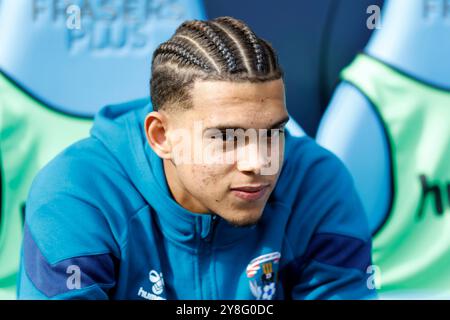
x=215 y=167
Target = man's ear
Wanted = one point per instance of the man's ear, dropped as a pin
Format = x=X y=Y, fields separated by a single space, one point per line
x=156 y=132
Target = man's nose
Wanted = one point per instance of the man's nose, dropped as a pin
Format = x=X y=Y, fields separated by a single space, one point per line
x=250 y=159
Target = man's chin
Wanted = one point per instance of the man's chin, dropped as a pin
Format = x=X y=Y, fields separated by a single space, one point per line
x=244 y=220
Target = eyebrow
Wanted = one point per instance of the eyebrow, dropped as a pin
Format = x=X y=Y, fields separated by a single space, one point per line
x=276 y=125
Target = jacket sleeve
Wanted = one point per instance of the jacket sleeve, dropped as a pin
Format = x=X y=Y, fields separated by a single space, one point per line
x=68 y=250
x=328 y=237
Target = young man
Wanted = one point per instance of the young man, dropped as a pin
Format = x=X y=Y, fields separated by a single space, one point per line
x=200 y=194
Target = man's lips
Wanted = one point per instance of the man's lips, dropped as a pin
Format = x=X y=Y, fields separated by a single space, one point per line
x=250 y=192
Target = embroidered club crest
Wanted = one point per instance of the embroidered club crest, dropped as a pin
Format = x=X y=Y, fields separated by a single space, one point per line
x=262 y=273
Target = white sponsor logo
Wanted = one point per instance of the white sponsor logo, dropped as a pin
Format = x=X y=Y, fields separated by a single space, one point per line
x=157 y=288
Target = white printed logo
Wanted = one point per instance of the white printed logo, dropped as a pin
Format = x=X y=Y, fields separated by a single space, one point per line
x=157 y=280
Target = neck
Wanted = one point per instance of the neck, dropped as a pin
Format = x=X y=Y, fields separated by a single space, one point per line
x=178 y=191
x=414 y=37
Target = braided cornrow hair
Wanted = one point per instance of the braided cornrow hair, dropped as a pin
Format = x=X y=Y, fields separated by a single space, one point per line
x=221 y=49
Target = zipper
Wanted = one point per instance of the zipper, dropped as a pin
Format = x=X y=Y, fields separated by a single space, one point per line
x=206 y=276
x=212 y=228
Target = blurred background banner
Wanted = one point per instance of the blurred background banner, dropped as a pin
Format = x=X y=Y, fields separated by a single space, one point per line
x=61 y=61
x=79 y=55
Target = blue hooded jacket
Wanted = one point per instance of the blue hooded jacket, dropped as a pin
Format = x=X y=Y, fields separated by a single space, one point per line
x=101 y=224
